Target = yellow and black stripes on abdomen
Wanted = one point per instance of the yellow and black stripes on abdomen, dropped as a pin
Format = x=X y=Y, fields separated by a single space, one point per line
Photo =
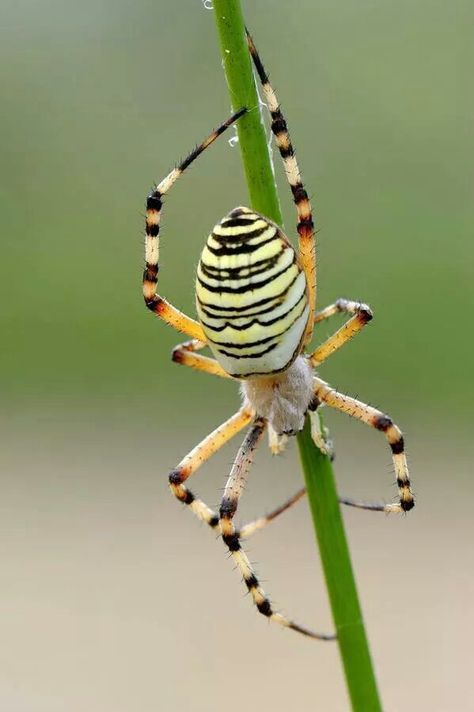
x=251 y=295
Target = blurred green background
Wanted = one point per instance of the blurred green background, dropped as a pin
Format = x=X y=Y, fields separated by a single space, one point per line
x=112 y=599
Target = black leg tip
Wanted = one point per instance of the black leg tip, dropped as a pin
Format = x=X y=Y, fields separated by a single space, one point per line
x=175 y=477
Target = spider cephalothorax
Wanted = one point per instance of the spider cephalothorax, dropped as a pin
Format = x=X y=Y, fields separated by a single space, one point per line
x=256 y=300
x=283 y=399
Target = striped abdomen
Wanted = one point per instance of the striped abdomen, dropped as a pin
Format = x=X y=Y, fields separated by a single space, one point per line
x=251 y=295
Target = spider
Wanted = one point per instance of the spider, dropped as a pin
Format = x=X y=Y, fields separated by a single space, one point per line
x=255 y=300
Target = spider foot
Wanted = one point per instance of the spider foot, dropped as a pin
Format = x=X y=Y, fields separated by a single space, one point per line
x=321 y=436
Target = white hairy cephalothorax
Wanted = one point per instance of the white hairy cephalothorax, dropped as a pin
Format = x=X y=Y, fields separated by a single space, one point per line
x=283 y=398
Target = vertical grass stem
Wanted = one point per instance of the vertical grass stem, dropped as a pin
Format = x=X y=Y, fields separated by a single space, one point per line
x=317 y=468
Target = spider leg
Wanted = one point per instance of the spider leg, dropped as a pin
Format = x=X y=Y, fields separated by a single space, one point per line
x=153 y=301
x=340 y=306
x=305 y=226
x=371 y=506
x=232 y=493
x=250 y=528
x=378 y=420
x=198 y=455
x=185 y=354
x=362 y=314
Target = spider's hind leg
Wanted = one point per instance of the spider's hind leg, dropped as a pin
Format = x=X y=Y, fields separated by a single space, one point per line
x=154 y=204
x=230 y=535
x=250 y=528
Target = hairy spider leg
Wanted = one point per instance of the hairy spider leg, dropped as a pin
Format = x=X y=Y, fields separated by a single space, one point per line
x=230 y=500
x=378 y=420
x=159 y=306
x=305 y=225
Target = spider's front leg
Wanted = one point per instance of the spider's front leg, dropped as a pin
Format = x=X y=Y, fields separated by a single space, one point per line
x=305 y=226
x=230 y=500
x=378 y=420
x=159 y=306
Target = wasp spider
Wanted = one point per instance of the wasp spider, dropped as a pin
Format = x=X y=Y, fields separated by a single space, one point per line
x=255 y=297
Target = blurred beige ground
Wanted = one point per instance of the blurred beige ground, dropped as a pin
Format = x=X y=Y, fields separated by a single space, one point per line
x=113 y=599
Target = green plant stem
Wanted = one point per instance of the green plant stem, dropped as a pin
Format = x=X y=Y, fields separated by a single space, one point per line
x=243 y=92
x=335 y=557
x=317 y=468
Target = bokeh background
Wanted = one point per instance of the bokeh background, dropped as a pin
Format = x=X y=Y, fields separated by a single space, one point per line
x=111 y=598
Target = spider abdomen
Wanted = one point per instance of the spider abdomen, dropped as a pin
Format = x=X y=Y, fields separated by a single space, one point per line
x=251 y=296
